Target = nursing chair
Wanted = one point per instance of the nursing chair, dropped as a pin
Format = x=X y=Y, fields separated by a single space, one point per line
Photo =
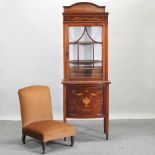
x=37 y=118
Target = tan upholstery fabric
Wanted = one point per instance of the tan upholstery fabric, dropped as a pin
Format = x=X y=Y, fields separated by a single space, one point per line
x=49 y=130
x=36 y=115
x=35 y=104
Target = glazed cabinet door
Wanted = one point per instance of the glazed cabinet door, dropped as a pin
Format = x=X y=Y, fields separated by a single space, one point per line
x=85 y=52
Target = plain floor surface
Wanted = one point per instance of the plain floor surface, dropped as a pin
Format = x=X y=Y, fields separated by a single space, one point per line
x=127 y=137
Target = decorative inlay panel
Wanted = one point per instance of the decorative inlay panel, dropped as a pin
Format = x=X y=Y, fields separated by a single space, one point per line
x=85 y=101
x=85 y=18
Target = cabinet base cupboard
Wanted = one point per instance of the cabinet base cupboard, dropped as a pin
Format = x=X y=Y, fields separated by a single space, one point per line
x=85 y=83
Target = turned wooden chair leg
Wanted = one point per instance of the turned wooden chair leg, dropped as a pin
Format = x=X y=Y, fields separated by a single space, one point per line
x=23 y=137
x=72 y=140
x=64 y=138
x=44 y=147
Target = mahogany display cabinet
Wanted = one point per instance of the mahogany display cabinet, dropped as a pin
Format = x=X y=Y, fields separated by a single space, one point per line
x=85 y=43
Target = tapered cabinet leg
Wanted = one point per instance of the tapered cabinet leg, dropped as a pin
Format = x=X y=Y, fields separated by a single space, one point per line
x=107 y=136
x=106 y=119
x=44 y=147
x=104 y=126
x=107 y=127
x=64 y=106
x=23 y=137
x=72 y=140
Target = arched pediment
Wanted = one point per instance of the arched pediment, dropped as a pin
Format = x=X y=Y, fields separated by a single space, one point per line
x=84 y=7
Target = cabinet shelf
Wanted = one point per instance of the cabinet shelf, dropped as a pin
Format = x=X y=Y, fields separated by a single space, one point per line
x=85 y=42
x=84 y=62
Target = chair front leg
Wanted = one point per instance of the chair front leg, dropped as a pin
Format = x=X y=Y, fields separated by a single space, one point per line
x=23 y=137
x=44 y=147
x=72 y=140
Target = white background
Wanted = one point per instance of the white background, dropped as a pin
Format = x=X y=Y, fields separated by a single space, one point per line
x=31 y=52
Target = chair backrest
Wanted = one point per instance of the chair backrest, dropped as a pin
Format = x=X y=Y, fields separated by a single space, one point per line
x=35 y=104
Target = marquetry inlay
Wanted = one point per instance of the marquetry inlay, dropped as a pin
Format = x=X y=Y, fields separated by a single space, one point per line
x=93 y=94
x=86 y=101
x=79 y=94
x=85 y=18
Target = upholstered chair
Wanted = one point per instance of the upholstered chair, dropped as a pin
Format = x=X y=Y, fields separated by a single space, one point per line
x=37 y=119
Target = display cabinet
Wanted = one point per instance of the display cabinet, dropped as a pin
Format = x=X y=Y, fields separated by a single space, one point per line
x=85 y=83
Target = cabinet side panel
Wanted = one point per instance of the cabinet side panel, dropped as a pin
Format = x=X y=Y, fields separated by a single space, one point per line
x=66 y=52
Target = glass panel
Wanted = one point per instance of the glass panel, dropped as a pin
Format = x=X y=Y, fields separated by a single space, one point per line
x=85 y=51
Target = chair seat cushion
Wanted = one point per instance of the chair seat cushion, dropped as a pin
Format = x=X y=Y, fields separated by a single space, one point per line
x=49 y=130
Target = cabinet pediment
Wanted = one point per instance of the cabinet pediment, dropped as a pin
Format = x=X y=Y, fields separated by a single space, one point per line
x=84 y=7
